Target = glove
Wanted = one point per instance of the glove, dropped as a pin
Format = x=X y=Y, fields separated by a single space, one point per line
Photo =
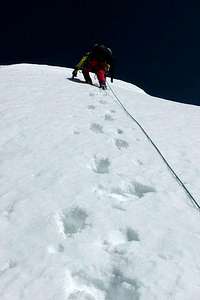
x=74 y=73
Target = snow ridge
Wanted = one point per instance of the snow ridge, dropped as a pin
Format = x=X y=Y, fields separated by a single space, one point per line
x=88 y=211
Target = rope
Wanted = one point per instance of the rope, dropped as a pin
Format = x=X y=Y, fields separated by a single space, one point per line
x=194 y=202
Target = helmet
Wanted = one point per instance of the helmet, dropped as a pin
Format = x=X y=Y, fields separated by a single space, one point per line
x=106 y=49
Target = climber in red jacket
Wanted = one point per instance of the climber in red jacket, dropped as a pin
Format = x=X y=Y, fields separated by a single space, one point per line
x=99 y=61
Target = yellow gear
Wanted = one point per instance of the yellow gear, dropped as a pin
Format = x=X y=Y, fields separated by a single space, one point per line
x=82 y=62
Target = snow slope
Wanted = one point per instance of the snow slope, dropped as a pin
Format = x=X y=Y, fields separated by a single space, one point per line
x=88 y=210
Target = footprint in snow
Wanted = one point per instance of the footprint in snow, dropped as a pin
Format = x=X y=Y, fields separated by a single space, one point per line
x=120 y=237
x=124 y=235
x=108 y=117
x=115 y=242
x=80 y=279
x=132 y=235
x=139 y=189
x=140 y=162
x=73 y=221
x=121 y=287
x=120 y=144
x=91 y=107
x=101 y=165
x=119 y=131
x=134 y=188
x=97 y=128
x=118 y=287
x=61 y=248
x=102 y=102
x=76 y=132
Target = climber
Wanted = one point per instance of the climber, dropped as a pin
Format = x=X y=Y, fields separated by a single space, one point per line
x=99 y=61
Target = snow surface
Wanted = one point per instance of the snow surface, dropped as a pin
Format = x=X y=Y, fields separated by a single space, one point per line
x=88 y=210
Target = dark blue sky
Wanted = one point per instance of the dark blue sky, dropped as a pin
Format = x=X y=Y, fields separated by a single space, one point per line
x=156 y=43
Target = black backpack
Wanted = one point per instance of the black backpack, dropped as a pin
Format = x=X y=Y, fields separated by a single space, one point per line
x=102 y=53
